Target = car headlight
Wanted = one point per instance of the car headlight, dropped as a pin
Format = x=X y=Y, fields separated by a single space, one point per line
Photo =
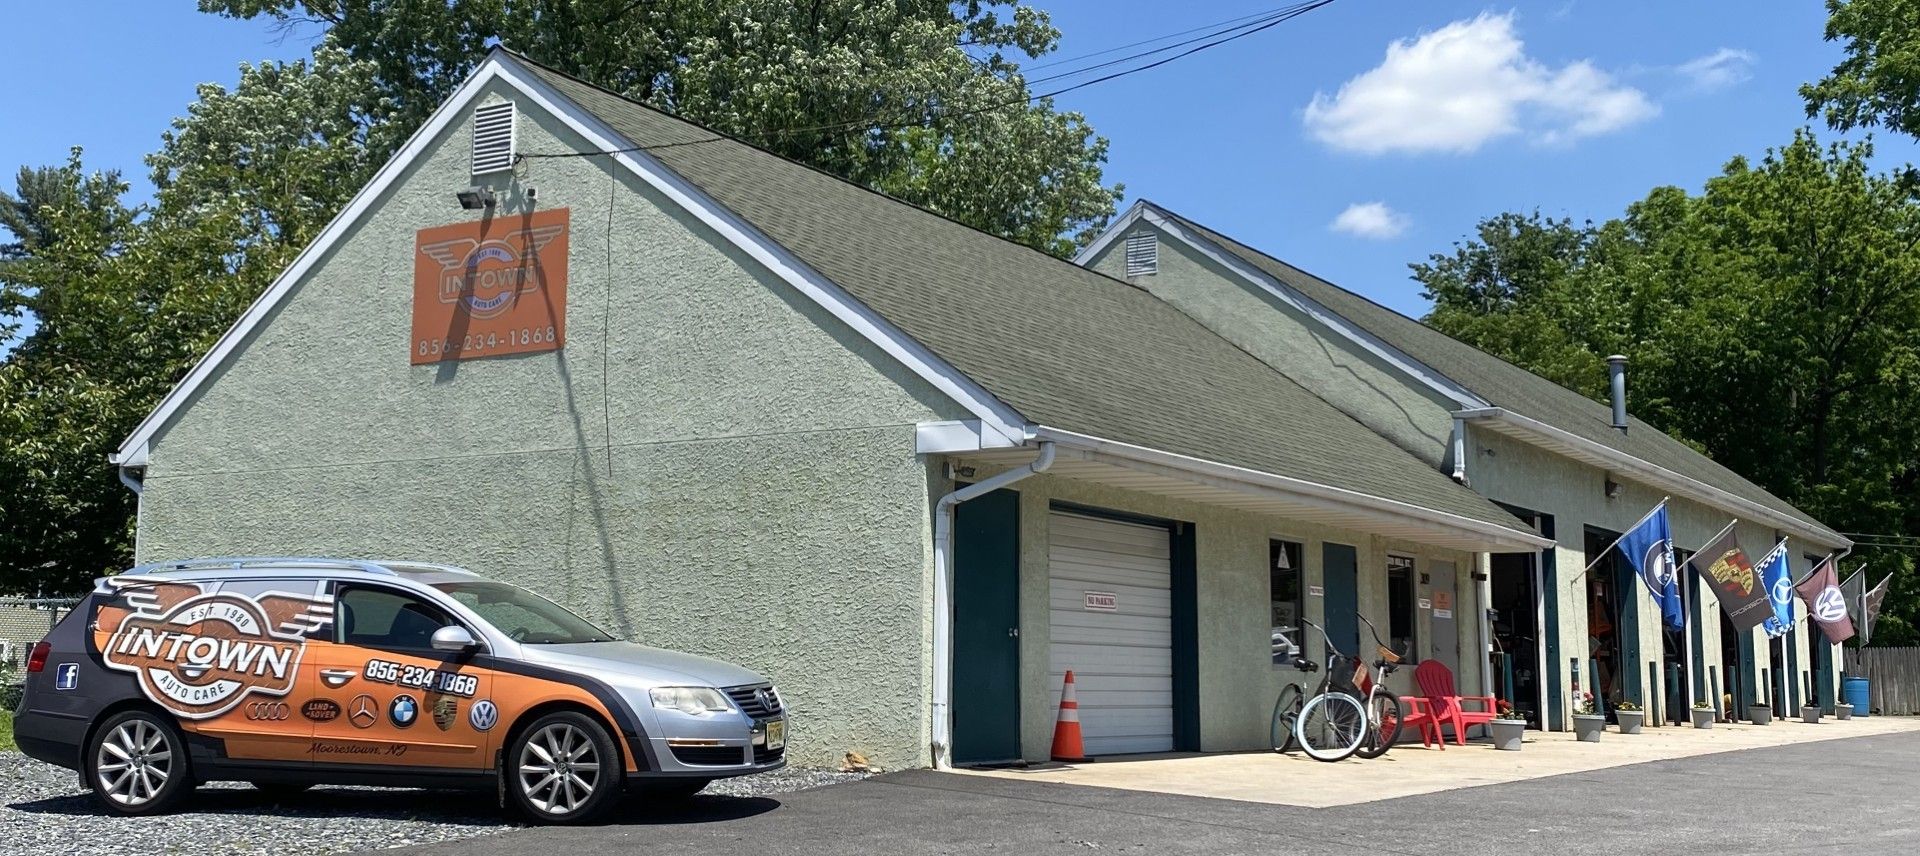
x=692 y=701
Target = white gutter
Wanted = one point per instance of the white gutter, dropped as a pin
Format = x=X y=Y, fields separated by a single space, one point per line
x=1367 y=503
x=1659 y=476
x=132 y=483
x=943 y=595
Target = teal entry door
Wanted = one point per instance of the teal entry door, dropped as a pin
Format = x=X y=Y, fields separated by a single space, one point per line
x=986 y=629
x=1339 y=564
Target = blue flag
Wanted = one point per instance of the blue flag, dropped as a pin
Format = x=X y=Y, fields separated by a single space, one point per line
x=1649 y=547
x=1778 y=580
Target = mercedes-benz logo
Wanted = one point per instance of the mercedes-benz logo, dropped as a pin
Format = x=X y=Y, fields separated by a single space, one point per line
x=362 y=711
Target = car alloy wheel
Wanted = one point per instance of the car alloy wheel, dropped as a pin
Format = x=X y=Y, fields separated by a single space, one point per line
x=565 y=768
x=139 y=764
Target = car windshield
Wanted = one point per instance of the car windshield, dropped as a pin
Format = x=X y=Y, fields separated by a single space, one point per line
x=523 y=615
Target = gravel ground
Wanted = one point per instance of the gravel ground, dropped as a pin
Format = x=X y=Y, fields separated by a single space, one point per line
x=44 y=810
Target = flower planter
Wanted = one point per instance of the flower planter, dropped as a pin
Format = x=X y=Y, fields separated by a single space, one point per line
x=1703 y=717
x=1843 y=711
x=1589 y=726
x=1760 y=714
x=1507 y=733
x=1810 y=714
x=1630 y=720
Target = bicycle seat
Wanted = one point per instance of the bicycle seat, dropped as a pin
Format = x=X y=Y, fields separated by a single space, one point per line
x=1305 y=665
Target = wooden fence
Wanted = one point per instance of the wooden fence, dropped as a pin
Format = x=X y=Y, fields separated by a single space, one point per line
x=1893 y=675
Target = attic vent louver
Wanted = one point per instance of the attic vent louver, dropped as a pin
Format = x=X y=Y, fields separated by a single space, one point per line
x=493 y=138
x=1143 y=254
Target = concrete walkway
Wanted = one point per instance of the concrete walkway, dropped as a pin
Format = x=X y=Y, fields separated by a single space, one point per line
x=1410 y=769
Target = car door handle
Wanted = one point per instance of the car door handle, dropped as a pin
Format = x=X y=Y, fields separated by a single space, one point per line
x=337 y=677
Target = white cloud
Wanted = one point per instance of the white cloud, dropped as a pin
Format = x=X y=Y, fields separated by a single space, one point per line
x=1718 y=70
x=1456 y=88
x=1370 y=220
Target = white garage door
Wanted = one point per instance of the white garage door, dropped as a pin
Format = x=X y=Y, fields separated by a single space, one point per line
x=1111 y=621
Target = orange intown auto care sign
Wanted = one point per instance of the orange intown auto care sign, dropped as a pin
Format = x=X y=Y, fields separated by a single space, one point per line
x=490 y=287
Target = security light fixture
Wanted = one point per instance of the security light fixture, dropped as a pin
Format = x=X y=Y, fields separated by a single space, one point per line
x=1613 y=488
x=476 y=197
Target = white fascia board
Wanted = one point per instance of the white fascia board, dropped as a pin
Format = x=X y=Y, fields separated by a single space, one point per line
x=956 y=435
x=1326 y=494
x=1659 y=476
x=1418 y=371
x=996 y=417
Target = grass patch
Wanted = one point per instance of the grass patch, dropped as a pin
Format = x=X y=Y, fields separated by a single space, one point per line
x=6 y=731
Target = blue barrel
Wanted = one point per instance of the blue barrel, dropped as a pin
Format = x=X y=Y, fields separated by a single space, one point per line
x=1855 y=692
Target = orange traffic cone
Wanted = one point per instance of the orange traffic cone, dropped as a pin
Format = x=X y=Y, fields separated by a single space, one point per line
x=1066 y=730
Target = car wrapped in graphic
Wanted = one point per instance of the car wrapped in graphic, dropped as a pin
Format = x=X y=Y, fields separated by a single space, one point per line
x=290 y=672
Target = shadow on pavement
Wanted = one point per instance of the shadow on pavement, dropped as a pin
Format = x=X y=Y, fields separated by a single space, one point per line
x=462 y=807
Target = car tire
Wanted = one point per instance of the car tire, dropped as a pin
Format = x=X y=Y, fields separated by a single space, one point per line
x=136 y=764
x=563 y=768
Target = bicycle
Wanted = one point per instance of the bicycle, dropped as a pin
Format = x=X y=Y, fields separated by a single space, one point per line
x=1383 y=708
x=1329 y=726
x=1286 y=708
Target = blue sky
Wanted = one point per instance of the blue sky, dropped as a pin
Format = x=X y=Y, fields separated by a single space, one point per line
x=1575 y=108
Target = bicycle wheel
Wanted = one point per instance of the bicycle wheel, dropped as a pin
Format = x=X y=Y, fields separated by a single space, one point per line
x=1286 y=709
x=1383 y=724
x=1331 y=726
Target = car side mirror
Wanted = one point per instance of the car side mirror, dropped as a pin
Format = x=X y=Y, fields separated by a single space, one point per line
x=453 y=638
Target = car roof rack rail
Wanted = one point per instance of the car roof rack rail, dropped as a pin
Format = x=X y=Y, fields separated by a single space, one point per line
x=237 y=562
x=404 y=565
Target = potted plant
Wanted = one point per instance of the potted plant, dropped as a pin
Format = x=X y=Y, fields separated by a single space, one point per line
x=1702 y=715
x=1508 y=727
x=1760 y=712
x=1630 y=717
x=1588 y=723
x=1810 y=713
x=1842 y=710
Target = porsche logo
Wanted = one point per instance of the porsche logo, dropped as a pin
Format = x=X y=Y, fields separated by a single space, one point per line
x=446 y=712
x=1731 y=575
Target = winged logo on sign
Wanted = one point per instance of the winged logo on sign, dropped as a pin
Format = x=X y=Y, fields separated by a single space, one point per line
x=198 y=655
x=485 y=277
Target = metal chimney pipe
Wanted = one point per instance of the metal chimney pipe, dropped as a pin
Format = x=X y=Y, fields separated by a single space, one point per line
x=1617 y=376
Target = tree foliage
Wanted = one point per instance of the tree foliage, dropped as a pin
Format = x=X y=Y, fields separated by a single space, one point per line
x=1773 y=320
x=1877 y=82
x=919 y=99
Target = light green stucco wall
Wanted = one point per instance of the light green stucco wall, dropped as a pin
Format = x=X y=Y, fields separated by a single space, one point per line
x=1575 y=493
x=712 y=463
x=1238 y=682
x=1353 y=380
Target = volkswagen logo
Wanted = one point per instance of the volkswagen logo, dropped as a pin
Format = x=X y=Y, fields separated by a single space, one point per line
x=1830 y=606
x=765 y=697
x=482 y=715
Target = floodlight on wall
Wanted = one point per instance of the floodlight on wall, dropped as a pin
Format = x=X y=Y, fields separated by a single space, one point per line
x=476 y=197
x=1613 y=488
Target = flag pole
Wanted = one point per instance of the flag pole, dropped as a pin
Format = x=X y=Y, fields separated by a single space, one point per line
x=1623 y=537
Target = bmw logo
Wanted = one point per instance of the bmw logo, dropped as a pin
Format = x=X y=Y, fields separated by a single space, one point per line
x=483 y=715
x=403 y=711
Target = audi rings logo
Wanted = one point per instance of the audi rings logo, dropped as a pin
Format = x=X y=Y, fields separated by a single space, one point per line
x=269 y=711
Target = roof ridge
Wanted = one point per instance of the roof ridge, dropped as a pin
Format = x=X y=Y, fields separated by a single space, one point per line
x=723 y=136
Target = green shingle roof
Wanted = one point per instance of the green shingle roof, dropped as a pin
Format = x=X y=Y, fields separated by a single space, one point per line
x=1504 y=384
x=1068 y=348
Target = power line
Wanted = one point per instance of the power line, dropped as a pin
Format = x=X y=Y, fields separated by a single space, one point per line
x=1252 y=26
x=1071 y=59
x=1286 y=14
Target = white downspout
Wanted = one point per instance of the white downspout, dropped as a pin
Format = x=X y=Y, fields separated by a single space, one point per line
x=132 y=483
x=943 y=596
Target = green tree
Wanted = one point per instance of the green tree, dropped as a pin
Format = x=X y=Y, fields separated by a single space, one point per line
x=1773 y=320
x=1877 y=83
x=921 y=100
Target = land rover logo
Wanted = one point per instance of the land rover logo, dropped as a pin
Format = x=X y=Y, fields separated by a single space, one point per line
x=201 y=655
x=321 y=710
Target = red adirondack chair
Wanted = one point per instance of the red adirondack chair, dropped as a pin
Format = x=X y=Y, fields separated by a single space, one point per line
x=1414 y=712
x=1447 y=706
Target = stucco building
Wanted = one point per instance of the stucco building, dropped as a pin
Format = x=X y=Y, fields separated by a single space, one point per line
x=1555 y=458
x=723 y=402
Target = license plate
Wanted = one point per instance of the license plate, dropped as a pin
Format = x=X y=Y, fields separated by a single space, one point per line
x=776 y=734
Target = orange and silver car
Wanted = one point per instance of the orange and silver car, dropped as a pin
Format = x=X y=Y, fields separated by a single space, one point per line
x=289 y=672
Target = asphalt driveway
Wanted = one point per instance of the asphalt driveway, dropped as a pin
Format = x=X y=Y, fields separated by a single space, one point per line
x=1853 y=795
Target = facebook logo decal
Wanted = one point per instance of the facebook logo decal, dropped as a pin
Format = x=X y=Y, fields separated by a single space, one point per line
x=67 y=676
